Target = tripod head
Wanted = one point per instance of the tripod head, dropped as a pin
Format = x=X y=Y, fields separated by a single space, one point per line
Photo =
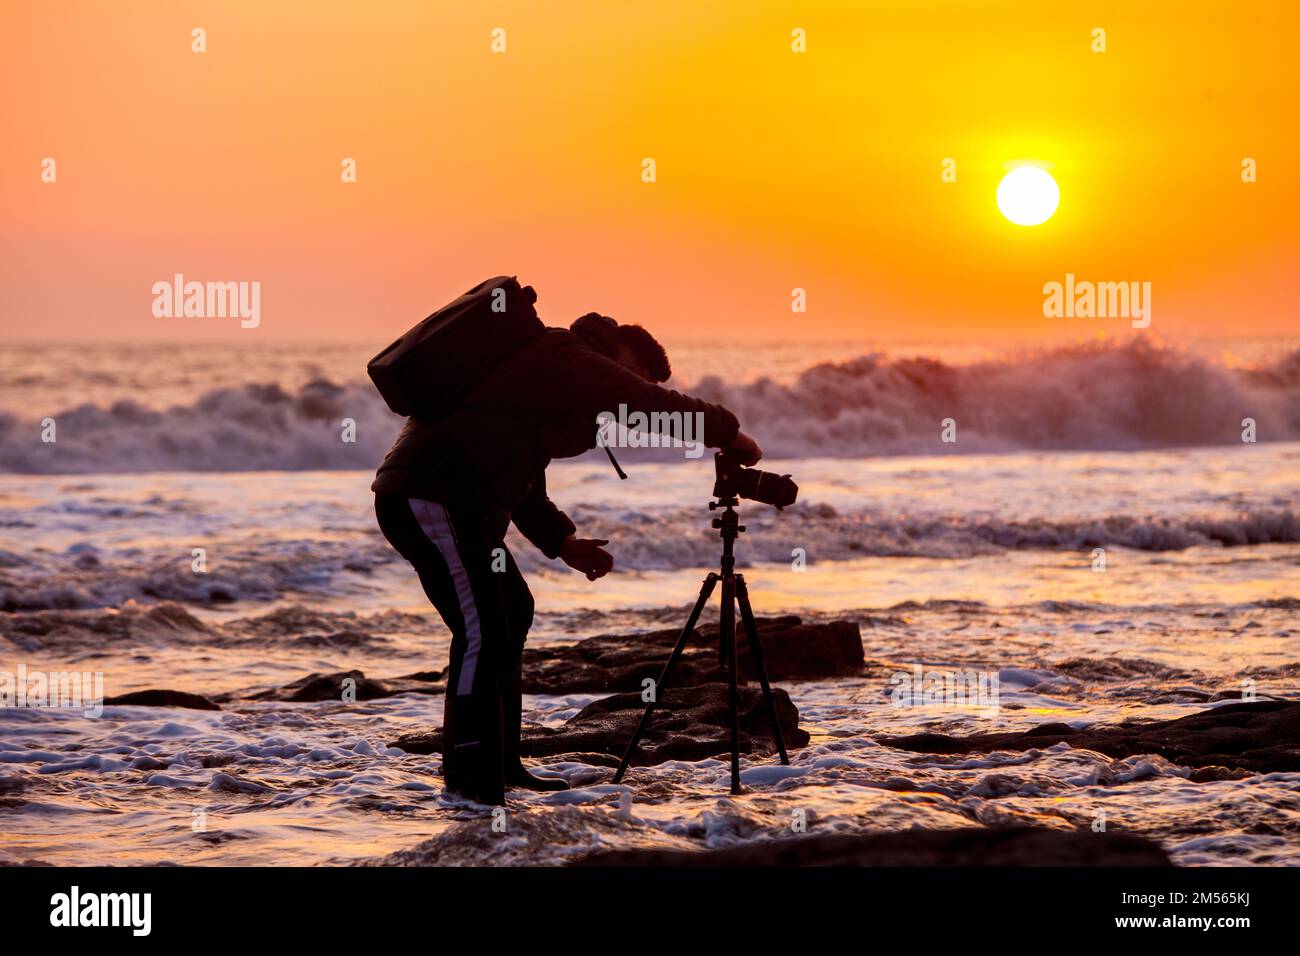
x=729 y=529
x=733 y=481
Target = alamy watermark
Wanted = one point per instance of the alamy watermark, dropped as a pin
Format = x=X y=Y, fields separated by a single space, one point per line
x=74 y=908
x=1099 y=300
x=62 y=690
x=208 y=300
x=651 y=430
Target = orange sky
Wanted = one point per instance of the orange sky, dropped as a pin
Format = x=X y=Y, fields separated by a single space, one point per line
x=775 y=170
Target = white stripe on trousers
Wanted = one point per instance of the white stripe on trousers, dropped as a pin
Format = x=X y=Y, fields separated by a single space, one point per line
x=436 y=525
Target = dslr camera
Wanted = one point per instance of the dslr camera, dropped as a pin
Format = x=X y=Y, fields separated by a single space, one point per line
x=734 y=480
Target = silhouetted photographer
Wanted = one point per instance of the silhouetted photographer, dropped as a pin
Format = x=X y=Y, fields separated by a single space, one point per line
x=491 y=396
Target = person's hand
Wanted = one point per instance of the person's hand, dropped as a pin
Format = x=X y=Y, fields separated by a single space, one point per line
x=587 y=555
x=745 y=449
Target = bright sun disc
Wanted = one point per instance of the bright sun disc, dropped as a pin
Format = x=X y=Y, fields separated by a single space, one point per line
x=1028 y=195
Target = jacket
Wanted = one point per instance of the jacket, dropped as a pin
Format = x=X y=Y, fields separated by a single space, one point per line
x=537 y=404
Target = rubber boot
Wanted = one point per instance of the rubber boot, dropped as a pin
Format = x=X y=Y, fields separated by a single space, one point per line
x=512 y=718
x=472 y=744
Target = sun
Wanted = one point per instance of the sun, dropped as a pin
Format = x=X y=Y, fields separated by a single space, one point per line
x=1028 y=195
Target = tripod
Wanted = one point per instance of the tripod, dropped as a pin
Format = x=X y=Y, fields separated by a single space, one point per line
x=733 y=592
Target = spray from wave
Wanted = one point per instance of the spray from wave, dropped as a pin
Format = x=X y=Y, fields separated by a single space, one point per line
x=1101 y=396
x=247 y=428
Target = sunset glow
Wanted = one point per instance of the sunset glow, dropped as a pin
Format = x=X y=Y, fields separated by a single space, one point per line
x=766 y=436
x=776 y=170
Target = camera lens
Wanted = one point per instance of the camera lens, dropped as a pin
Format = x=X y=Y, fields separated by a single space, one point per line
x=735 y=480
x=766 y=487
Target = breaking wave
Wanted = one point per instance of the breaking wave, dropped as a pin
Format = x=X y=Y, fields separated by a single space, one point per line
x=1099 y=396
x=248 y=428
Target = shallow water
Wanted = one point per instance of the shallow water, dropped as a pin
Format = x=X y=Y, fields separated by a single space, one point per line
x=308 y=783
x=990 y=564
x=979 y=563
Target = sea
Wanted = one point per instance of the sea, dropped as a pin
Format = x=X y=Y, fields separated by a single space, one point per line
x=1103 y=530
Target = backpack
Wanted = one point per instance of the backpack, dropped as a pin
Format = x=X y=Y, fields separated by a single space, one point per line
x=428 y=371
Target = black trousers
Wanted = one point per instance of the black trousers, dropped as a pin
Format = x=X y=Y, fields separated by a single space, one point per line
x=472 y=579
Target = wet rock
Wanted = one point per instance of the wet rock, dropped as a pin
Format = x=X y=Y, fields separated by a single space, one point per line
x=976 y=846
x=1259 y=737
x=609 y=662
x=303 y=627
x=619 y=662
x=533 y=839
x=1210 y=774
x=319 y=687
x=161 y=698
x=430 y=741
x=690 y=723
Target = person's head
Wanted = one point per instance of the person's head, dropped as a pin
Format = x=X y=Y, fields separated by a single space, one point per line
x=629 y=345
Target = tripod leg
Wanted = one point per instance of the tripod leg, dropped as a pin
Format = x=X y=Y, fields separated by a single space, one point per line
x=756 y=651
x=705 y=591
x=727 y=637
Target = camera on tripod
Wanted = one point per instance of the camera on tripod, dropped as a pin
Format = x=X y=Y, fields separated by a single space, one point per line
x=734 y=480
